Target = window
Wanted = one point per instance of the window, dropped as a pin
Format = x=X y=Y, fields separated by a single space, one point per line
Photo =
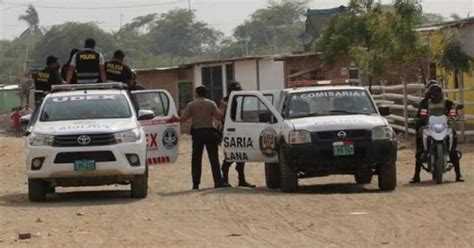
x=185 y=93
x=353 y=73
x=269 y=97
x=250 y=109
x=158 y=102
x=213 y=80
x=87 y=106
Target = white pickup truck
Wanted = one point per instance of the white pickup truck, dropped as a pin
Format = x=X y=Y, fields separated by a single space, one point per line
x=311 y=132
x=91 y=135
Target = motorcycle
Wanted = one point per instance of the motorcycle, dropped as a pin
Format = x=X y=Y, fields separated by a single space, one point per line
x=438 y=139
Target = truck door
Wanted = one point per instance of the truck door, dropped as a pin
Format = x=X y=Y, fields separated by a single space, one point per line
x=162 y=132
x=250 y=128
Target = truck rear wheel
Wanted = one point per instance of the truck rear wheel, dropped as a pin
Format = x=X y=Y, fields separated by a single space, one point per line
x=139 y=185
x=387 y=176
x=37 y=189
x=288 y=177
x=272 y=175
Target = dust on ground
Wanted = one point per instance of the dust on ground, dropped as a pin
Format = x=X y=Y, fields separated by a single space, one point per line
x=328 y=212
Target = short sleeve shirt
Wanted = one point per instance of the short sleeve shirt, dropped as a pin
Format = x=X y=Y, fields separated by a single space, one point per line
x=202 y=112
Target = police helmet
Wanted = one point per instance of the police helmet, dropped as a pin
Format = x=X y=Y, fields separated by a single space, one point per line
x=234 y=86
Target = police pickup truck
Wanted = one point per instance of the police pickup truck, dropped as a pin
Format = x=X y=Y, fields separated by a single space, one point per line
x=311 y=132
x=91 y=135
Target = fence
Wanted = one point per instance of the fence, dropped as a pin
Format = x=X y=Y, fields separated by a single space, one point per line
x=400 y=100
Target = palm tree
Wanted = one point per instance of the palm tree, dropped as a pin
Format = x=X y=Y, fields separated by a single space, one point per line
x=32 y=19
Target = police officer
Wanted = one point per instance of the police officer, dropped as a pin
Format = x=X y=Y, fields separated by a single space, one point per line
x=202 y=111
x=49 y=75
x=240 y=166
x=117 y=71
x=88 y=64
x=65 y=68
x=434 y=103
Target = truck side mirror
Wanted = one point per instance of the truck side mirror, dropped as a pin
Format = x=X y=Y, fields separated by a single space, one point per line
x=144 y=114
x=384 y=111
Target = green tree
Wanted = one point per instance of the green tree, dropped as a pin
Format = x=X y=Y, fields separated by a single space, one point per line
x=60 y=39
x=271 y=29
x=178 y=33
x=32 y=19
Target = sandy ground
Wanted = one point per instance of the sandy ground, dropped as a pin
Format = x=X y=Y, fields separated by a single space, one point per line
x=328 y=212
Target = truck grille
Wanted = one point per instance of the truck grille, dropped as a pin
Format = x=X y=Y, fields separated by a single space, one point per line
x=95 y=140
x=350 y=134
x=70 y=157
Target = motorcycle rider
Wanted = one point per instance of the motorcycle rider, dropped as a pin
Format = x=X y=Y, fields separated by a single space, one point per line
x=434 y=103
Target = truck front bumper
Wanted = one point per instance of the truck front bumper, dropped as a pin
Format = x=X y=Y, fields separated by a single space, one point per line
x=319 y=159
x=110 y=161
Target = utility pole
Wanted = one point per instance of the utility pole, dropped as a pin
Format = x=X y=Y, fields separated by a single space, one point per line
x=121 y=19
x=189 y=5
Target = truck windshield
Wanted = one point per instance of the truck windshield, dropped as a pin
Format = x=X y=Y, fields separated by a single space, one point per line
x=87 y=106
x=330 y=102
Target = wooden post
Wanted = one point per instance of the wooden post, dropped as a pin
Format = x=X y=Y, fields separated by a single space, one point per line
x=405 y=107
x=461 y=100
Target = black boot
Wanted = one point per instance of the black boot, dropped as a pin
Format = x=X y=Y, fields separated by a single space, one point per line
x=457 y=166
x=241 y=171
x=225 y=172
x=416 y=177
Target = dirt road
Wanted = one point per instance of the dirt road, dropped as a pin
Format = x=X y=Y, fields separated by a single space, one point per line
x=329 y=212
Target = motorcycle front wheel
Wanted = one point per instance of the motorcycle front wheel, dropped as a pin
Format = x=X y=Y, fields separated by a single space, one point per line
x=439 y=164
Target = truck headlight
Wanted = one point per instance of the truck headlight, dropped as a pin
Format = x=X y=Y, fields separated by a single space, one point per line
x=382 y=133
x=38 y=139
x=299 y=137
x=128 y=136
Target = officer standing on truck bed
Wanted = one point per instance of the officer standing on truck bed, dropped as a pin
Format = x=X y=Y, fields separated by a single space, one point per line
x=88 y=64
x=65 y=68
x=117 y=71
x=46 y=78
x=202 y=111
x=240 y=166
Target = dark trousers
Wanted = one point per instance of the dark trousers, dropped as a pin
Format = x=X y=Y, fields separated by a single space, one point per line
x=239 y=167
x=453 y=154
x=205 y=137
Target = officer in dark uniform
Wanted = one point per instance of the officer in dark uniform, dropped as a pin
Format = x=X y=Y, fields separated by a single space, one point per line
x=117 y=71
x=434 y=103
x=65 y=68
x=88 y=65
x=46 y=78
x=240 y=166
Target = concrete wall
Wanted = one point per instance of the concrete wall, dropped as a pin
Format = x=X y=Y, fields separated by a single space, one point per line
x=246 y=73
x=467 y=38
x=272 y=74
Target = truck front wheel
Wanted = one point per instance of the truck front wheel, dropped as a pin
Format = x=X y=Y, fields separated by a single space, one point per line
x=387 y=176
x=288 y=177
x=139 y=185
x=37 y=189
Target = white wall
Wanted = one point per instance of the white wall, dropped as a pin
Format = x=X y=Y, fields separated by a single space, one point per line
x=246 y=74
x=272 y=74
x=197 y=75
x=467 y=36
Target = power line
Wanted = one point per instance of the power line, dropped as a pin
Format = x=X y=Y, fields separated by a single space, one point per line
x=91 y=8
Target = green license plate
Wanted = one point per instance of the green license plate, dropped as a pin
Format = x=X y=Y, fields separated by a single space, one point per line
x=84 y=165
x=343 y=148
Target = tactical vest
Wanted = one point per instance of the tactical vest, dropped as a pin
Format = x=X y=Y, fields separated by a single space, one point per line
x=115 y=72
x=42 y=81
x=87 y=67
x=437 y=109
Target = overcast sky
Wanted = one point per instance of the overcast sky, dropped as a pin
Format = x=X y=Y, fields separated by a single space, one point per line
x=221 y=14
